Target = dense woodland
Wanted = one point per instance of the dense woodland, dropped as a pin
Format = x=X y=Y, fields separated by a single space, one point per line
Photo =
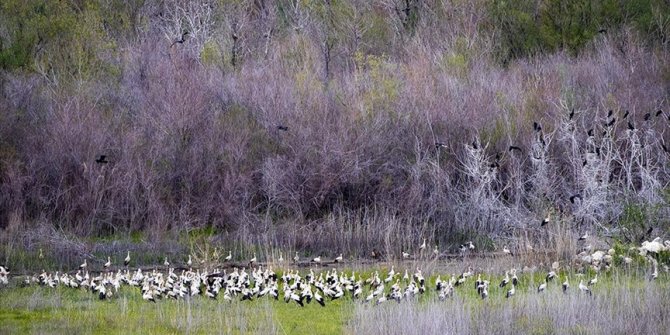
x=335 y=124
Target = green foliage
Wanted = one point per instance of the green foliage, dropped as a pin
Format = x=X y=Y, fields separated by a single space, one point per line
x=526 y=27
x=211 y=54
x=382 y=85
x=57 y=38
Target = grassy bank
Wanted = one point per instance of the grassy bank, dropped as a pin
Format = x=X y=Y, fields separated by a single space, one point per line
x=622 y=302
x=39 y=310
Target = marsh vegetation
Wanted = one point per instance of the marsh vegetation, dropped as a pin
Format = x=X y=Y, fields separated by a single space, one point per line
x=189 y=130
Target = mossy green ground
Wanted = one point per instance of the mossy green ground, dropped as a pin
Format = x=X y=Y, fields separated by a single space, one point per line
x=39 y=310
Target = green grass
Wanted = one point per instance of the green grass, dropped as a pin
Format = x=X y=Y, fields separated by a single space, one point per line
x=38 y=310
x=43 y=310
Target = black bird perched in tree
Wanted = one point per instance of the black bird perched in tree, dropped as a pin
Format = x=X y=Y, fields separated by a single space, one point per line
x=474 y=145
x=609 y=114
x=630 y=126
x=282 y=128
x=102 y=159
x=440 y=145
x=625 y=115
x=537 y=127
x=647 y=116
x=512 y=148
x=602 y=31
x=590 y=132
x=575 y=196
x=659 y=112
x=611 y=123
x=584 y=162
x=181 y=40
x=572 y=114
x=664 y=147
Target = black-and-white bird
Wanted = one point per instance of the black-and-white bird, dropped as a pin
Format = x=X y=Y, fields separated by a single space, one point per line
x=507 y=251
x=546 y=220
x=126 y=261
x=550 y=276
x=83 y=265
x=584 y=288
x=510 y=292
x=109 y=262
x=505 y=280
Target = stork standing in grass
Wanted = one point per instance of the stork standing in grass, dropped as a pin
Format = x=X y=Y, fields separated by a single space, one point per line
x=566 y=285
x=584 y=288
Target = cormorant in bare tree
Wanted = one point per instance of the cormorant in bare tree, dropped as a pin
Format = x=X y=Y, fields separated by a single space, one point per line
x=102 y=159
x=181 y=40
x=537 y=127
